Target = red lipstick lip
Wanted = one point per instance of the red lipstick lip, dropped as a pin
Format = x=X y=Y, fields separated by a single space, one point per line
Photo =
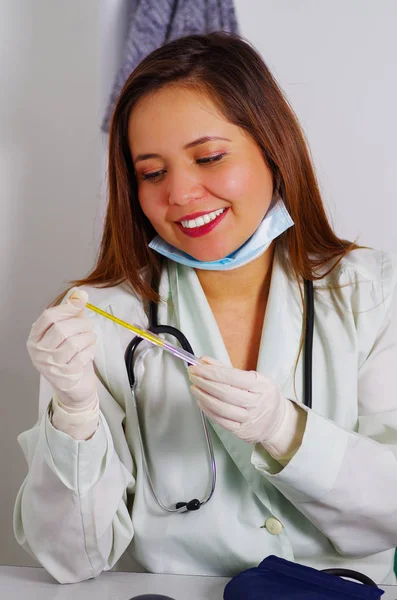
x=204 y=229
x=197 y=215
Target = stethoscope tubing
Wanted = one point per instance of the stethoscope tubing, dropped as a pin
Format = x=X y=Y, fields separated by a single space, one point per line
x=193 y=504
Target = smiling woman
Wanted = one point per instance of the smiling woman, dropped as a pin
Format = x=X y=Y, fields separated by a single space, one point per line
x=222 y=174
x=216 y=219
x=164 y=147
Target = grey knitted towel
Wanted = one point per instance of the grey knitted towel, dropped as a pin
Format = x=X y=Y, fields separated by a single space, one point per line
x=152 y=23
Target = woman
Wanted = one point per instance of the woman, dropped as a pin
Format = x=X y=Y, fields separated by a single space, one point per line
x=215 y=217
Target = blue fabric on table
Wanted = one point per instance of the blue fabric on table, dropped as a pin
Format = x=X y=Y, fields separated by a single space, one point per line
x=279 y=579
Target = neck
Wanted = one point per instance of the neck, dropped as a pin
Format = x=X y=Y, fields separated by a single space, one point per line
x=248 y=283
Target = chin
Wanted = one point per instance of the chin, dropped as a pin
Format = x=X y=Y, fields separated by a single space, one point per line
x=208 y=257
x=203 y=250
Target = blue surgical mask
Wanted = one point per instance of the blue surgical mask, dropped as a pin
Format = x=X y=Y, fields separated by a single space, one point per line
x=276 y=221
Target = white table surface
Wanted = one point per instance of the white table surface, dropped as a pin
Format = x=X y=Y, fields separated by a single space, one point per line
x=29 y=583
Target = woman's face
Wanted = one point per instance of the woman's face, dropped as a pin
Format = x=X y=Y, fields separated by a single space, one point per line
x=202 y=182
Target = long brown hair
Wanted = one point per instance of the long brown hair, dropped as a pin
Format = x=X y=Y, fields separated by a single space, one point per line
x=232 y=72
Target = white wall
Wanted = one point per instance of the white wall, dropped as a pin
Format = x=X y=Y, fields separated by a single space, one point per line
x=335 y=59
x=50 y=178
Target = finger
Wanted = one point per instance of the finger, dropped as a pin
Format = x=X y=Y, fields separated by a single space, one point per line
x=62 y=331
x=223 y=374
x=53 y=315
x=231 y=426
x=52 y=366
x=78 y=298
x=225 y=392
x=79 y=295
x=219 y=408
x=211 y=361
x=83 y=358
x=73 y=370
x=73 y=346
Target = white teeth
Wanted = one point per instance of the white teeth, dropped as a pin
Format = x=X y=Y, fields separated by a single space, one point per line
x=203 y=220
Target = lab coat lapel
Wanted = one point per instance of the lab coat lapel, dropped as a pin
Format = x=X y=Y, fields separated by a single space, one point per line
x=279 y=345
x=281 y=333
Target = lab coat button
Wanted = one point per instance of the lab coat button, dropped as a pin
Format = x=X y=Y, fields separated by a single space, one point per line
x=274 y=526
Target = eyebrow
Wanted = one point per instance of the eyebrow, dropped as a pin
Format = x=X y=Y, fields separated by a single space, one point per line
x=201 y=140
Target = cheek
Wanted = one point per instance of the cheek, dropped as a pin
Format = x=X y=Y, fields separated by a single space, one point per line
x=240 y=182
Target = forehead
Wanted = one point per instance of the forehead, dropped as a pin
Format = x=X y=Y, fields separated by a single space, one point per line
x=175 y=114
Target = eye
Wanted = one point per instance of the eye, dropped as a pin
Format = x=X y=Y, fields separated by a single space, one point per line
x=156 y=176
x=210 y=159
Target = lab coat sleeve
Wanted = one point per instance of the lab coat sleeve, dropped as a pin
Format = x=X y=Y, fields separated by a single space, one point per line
x=71 y=512
x=345 y=482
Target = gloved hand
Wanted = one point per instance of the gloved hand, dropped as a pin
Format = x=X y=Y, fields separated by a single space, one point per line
x=62 y=347
x=249 y=405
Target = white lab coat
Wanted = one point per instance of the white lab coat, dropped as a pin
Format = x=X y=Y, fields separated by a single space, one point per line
x=84 y=503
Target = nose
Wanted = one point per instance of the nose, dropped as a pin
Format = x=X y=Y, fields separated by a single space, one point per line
x=183 y=188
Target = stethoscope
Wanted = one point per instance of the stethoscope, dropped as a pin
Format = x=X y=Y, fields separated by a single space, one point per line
x=154 y=327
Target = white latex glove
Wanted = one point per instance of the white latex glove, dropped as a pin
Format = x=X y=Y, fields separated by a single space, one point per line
x=62 y=347
x=249 y=405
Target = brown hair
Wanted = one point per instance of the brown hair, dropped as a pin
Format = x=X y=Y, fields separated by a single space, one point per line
x=229 y=69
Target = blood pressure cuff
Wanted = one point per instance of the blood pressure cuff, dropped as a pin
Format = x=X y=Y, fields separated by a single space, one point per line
x=279 y=579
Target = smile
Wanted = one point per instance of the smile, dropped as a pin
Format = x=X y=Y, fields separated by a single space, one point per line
x=203 y=223
x=203 y=220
